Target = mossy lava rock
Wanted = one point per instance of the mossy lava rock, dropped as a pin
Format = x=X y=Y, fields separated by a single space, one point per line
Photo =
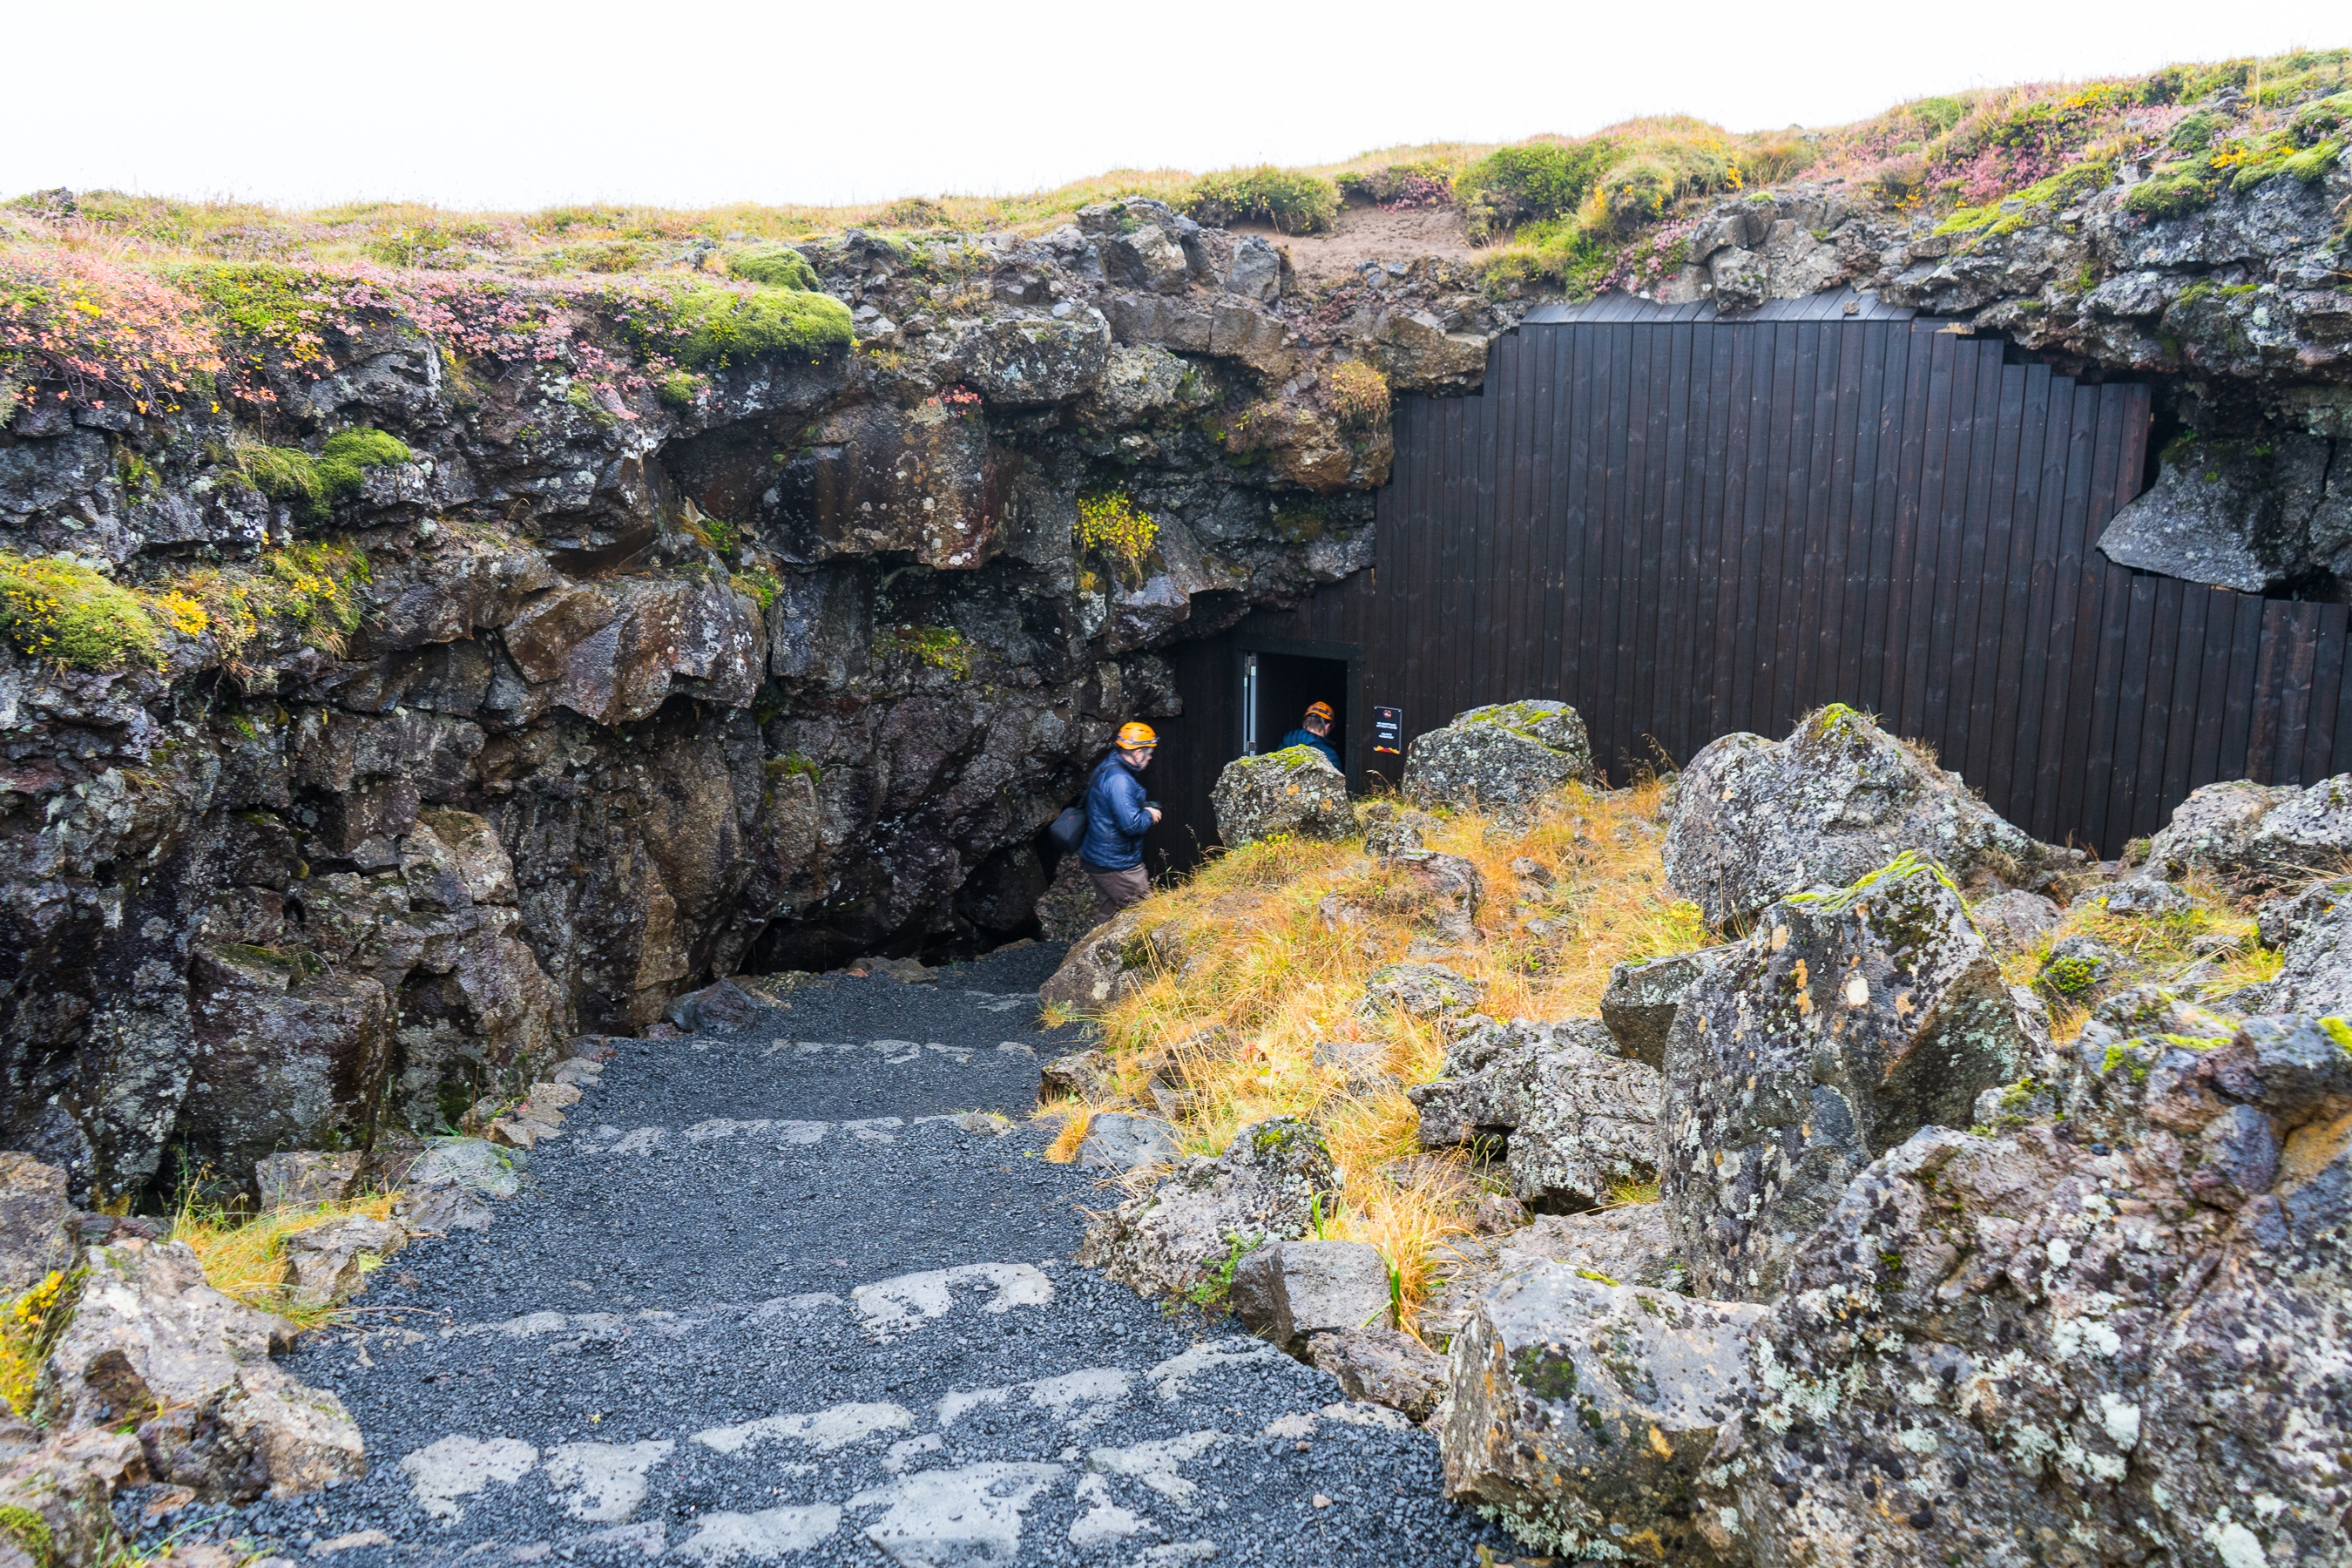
x=1294 y=791
x=1500 y=759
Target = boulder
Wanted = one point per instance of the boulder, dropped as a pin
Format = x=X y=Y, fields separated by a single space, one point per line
x=1846 y=1023
x=438 y=1210
x=1293 y=793
x=2254 y=837
x=328 y=1264
x=2014 y=921
x=476 y=1164
x=1065 y=911
x=1119 y=1142
x=2144 y=896
x=1500 y=759
x=722 y=1008
x=1415 y=352
x=1567 y=1122
x=1021 y=362
x=36 y=1223
x=1420 y=990
x=151 y=1343
x=305 y=1181
x=1286 y=1291
x=2130 y=1342
x=2315 y=927
x=1208 y=1211
x=1582 y=1412
x=1107 y=963
x=1630 y=1243
x=1076 y=1075
x=1388 y=831
x=1755 y=818
x=1639 y=1006
x=56 y=1499
x=1383 y=1366
x=1440 y=893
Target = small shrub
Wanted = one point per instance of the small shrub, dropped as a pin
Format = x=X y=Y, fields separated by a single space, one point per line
x=1290 y=201
x=941 y=648
x=916 y=212
x=1112 y=525
x=28 y=1327
x=1359 y=395
x=1400 y=188
x=1775 y=159
x=2196 y=132
x=777 y=266
x=1627 y=197
x=1528 y=183
x=763 y=586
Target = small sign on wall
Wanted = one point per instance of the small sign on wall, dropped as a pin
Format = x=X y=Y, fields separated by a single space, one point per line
x=1388 y=734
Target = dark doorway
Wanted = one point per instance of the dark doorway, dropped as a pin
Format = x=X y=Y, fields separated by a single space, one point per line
x=1277 y=688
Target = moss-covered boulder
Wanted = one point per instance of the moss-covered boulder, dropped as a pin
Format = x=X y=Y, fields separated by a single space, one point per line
x=1583 y=1410
x=1294 y=792
x=1845 y=1024
x=1501 y=759
x=1754 y=819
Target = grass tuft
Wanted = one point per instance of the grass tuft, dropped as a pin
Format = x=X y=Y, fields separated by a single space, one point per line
x=243 y=1255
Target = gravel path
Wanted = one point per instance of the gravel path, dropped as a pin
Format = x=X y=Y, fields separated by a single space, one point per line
x=767 y=1301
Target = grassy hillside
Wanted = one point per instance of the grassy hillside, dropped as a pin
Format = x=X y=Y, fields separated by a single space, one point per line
x=1584 y=212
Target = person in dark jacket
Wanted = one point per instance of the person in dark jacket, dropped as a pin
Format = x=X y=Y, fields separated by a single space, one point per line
x=1315 y=731
x=1117 y=817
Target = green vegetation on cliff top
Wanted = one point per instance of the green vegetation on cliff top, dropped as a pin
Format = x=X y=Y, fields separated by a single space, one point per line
x=161 y=302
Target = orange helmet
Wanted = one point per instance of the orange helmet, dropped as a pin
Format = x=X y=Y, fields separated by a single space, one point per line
x=1318 y=711
x=1136 y=736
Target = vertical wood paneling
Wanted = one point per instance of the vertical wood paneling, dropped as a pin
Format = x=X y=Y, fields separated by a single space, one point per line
x=1685 y=529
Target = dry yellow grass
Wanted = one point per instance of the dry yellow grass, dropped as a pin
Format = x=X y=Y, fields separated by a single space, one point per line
x=2217 y=927
x=244 y=1256
x=1259 y=975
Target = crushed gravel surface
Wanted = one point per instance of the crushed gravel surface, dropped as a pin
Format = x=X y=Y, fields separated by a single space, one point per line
x=754 y=1307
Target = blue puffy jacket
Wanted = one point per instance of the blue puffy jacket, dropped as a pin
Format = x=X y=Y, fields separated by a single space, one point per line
x=1116 y=819
x=1305 y=737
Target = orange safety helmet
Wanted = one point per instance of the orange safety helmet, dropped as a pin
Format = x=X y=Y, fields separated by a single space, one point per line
x=1319 y=711
x=1136 y=736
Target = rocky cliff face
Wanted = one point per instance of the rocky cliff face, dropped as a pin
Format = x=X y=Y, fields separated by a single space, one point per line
x=658 y=674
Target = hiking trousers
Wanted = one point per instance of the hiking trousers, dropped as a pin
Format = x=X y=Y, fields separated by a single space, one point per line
x=1114 y=891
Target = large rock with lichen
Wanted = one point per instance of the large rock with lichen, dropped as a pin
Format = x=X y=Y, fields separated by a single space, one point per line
x=1844 y=1023
x=1502 y=758
x=1754 y=819
x=1187 y=1231
x=1292 y=792
x=1582 y=1412
x=2314 y=929
x=2127 y=1338
x=2257 y=836
x=1569 y=1120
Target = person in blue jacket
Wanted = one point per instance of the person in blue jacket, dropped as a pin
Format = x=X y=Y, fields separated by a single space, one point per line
x=1315 y=731
x=1117 y=817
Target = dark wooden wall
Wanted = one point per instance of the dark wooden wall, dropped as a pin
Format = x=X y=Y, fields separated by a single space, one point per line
x=1687 y=527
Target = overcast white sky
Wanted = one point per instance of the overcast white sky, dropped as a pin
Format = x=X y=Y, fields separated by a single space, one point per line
x=693 y=102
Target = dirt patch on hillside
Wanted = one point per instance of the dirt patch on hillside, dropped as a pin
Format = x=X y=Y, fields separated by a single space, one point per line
x=1370 y=234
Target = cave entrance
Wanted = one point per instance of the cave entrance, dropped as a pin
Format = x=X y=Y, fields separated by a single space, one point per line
x=1277 y=688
